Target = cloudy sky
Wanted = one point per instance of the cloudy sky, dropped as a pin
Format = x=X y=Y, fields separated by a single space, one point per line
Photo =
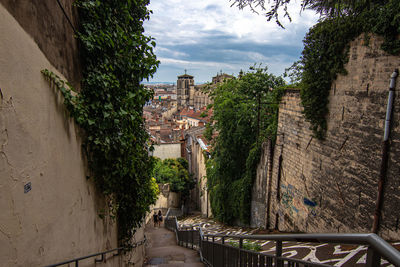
x=207 y=36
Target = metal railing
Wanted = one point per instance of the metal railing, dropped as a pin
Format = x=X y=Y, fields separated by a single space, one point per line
x=102 y=254
x=214 y=252
x=174 y=212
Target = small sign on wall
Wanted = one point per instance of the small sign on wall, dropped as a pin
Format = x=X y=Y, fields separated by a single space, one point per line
x=27 y=187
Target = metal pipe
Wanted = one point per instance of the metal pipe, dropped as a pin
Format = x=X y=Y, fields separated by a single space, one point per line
x=385 y=149
x=66 y=16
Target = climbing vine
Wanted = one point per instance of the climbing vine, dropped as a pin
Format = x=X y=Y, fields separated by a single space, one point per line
x=326 y=48
x=117 y=56
x=245 y=114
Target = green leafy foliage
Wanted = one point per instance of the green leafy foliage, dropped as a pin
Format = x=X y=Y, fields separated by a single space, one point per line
x=174 y=172
x=246 y=245
x=208 y=132
x=116 y=58
x=326 y=48
x=324 y=55
x=203 y=114
x=245 y=113
x=326 y=8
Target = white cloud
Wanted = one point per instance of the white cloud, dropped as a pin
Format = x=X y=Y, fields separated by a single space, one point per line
x=196 y=64
x=212 y=23
x=170 y=52
x=186 y=21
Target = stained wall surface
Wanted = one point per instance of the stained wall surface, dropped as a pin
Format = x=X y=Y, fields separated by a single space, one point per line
x=49 y=27
x=259 y=194
x=199 y=196
x=331 y=185
x=167 y=199
x=200 y=174
x=49 y=210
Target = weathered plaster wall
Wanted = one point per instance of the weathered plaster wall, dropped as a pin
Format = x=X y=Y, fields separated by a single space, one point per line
x=57 y=219
x=331 y=185
x=166 y=151
x=167 y=198
x=45 y=22
x=197 y=167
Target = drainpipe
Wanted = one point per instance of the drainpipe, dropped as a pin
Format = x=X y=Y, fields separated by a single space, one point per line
x=385 y=149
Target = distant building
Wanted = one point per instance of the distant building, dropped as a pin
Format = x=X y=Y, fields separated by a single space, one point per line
x=189 y=95
x=184 y=88
x=196 y=153
x=221 y=77
x=189 y=117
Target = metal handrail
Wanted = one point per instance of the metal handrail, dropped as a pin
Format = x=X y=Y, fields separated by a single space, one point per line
x=76 y=260
x=377 y=243
x=377 y=247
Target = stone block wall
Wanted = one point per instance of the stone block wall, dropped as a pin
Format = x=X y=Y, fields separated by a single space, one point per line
x=331 y=185
x=259 y=194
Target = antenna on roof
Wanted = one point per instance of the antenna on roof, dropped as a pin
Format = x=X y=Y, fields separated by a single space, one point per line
x=185 y=71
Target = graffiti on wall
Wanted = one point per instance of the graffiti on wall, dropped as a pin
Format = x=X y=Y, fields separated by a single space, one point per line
x=295 y=203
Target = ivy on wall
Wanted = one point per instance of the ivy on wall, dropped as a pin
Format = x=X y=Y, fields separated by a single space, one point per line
x=326 y=48
x=117 y=56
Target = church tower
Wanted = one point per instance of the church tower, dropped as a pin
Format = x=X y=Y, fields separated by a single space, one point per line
x=184 y=87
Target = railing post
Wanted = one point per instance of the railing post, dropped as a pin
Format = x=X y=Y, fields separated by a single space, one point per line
x=278 y=253
x=192 y=237
x=187 y=238
x=223 y=251
x=213 y=248
x=76 y=263
x=200 y=242
x=373 y=258
x=240 y=251
x=101 y=260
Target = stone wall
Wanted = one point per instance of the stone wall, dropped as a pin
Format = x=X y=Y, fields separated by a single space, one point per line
x=167 y=198
x=259 y=194
x=331 y=185
x=49 y=210
x=46 y=23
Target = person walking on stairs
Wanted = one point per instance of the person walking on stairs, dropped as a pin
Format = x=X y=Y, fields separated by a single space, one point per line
x=160 y=218
x=155 y=219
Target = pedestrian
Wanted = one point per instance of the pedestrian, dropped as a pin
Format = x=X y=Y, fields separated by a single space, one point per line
x=155 y=218
x=159 y=218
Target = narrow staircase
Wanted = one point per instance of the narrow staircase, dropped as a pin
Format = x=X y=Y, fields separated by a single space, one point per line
x=162 y=249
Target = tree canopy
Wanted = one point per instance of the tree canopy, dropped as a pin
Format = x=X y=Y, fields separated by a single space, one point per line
x=175 y=172
x=245 y=113
x=326 y=8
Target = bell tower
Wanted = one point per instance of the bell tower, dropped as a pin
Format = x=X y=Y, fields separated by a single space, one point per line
x=184 y=84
